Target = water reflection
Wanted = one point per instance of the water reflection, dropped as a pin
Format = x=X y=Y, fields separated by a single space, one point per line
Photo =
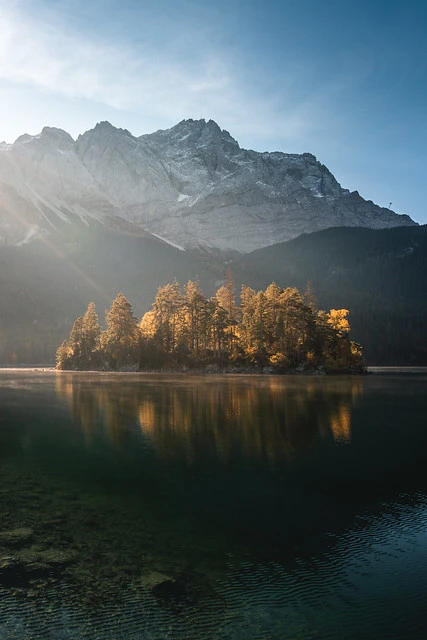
x=262 y=418
x=341 y=425
x=152 y=506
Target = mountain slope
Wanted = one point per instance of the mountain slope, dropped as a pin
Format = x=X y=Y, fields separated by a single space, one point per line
x=45 y=285
x=379 y=275
x=191 y=184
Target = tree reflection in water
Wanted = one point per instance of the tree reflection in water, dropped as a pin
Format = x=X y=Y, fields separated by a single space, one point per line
x=268 y=418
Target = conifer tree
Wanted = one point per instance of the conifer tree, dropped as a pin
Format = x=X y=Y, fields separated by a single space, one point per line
x=90 y=339
x=197 y=312
x=69 y=354
x=64 y=356
x=226 y=297
x=276 y=327
x=81 y=350
x=252 y=325
x=121 y=340
x=167 y=316
x=219 y=323
x=297 y=326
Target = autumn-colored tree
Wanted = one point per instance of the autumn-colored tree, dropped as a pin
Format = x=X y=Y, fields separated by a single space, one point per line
x=121 y=340
x=90 y=339
x=299 y=325
x=167 y=317
x=148 y=324
x=338 y=319
x=335 y=349
x=64 y=356
x=226 y=297
x=81 y=350
x=218 y=326
x=274 y=320
x=278 y=328
x=197 y=314
x=253 y=308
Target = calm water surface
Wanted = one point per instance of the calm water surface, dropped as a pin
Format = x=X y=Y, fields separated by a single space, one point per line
x=142 y=506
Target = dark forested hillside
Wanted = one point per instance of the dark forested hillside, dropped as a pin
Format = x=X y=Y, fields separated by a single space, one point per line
x=380 y=275
x=46 y=284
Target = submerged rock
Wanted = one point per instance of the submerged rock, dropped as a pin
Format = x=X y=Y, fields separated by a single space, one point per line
x=153 y=578
x=171 y=593
x=47 y=557
x=16 y=537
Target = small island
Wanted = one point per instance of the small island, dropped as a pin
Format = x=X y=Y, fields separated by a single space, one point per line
x=273 y=331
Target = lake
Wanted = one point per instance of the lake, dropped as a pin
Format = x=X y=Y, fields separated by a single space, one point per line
x=151 y=506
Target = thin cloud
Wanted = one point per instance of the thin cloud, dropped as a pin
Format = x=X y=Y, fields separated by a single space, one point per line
x=44 y=54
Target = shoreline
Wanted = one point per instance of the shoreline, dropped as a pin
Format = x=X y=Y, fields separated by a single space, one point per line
x=369 y=370
x=193 y=371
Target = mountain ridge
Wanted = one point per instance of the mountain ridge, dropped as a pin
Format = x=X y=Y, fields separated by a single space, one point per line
x=192 y=184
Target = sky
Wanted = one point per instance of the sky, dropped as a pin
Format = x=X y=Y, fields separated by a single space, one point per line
x=346 y=81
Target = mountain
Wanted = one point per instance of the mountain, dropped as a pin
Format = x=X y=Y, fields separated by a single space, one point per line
x=191 y=185
x=83 y=219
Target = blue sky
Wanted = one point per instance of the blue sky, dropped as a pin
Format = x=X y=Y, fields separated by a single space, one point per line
x=346 y=81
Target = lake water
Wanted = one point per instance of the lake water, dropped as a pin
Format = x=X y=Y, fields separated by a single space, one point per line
x=142 y=506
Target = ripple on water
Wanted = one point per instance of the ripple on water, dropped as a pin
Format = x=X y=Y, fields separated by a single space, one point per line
x=367 y=583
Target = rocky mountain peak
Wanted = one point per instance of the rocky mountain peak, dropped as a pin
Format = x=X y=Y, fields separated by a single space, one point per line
x=104 y=131
x=191 y=184
x=194 y=134
x=53 y=133
x=104 y=124
x=106 y=128
x=25 y=137
x=50 y=139
x=104 y=144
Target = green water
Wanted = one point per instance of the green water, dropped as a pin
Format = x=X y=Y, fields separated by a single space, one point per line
x=143 y=506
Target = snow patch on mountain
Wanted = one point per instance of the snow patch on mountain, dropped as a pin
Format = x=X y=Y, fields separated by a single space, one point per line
x=29 y=235
x=172 y=244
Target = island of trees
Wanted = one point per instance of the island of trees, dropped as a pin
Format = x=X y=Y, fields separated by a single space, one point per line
x=276 y=330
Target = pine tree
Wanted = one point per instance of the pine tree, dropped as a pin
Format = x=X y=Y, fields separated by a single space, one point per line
x=167 y=316
x=278 y=327
x=226 y=297
x=120 y=341
x=69 y=354
x=64 y=356
x=90 y=339
x=197 y=310
x=252 y=328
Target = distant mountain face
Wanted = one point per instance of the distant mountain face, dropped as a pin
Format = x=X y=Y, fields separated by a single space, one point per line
x=191 y=185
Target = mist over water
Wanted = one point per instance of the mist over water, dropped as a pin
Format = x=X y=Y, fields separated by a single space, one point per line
x=152 y=506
